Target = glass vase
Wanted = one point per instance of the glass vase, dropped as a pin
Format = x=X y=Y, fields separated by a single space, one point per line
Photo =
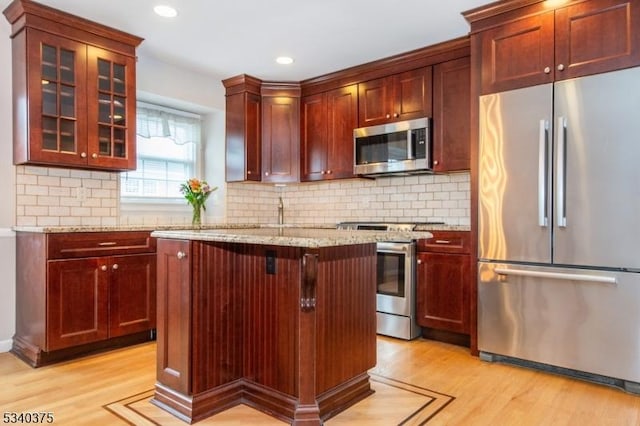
x=196 y=219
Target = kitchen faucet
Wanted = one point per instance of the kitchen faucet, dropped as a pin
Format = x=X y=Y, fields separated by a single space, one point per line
x=280 y=211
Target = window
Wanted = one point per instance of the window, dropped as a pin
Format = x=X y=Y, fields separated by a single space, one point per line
x=168 y=144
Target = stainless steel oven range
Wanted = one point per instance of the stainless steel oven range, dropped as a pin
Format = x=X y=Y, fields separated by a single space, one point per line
x=396 y=280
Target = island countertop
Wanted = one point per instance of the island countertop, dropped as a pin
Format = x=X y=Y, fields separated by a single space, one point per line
x=291 y=236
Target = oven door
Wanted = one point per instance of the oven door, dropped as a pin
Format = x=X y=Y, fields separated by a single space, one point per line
x=395 y=277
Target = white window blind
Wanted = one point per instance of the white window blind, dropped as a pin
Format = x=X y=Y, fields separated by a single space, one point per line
x=168 y=143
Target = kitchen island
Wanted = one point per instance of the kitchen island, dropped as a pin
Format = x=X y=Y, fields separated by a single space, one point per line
x=280 y=319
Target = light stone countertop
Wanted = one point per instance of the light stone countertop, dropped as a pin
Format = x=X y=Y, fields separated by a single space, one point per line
x=291 y=236
x=80 y=228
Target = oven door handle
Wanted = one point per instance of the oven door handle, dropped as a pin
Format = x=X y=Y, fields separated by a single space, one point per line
x=400 y=250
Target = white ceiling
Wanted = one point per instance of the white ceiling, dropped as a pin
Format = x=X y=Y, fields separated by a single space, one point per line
x=224 y=38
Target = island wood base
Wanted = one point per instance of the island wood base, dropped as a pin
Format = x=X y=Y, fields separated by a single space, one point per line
x=287 y=330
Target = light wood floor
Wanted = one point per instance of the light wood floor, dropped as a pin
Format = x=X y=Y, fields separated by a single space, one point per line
x=485 y=394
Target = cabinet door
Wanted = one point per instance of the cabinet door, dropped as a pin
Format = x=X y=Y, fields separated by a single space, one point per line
x=56 y=121
x=412 y=94
x=443 y=291
x=342 y=118
x=313 y=137
x=111 y=104
x=77 y=302
x=174 y=314
x=280 y=139
x=451 y=115
x=518 y=54
x=132 y=294
x=374 y=99
x=243 y=130
x=597 y=36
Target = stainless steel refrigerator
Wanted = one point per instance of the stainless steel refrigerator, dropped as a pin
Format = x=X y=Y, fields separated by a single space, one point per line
x=559 y=227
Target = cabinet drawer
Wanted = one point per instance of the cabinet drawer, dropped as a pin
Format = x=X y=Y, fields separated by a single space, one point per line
x=87 y=244
x=446 y=242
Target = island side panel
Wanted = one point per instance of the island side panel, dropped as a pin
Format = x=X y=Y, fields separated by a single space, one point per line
x=345 y=314
x=173 y=316
x=270 y=303
x=217 y=317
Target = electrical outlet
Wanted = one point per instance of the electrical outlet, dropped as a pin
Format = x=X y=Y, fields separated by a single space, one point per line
x=270 y=262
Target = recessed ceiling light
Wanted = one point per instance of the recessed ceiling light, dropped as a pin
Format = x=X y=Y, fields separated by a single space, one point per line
x=165 y=11
x=284 y=60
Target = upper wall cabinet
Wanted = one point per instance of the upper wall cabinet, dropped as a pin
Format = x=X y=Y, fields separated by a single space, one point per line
x=78 y=80
x=451 y=115
x=243 y=124
x=534 y=45
x=326 y=133
x=398 y=97
x=280 y=132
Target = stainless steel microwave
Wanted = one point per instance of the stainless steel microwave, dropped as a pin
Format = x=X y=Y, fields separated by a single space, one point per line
x=401 y=148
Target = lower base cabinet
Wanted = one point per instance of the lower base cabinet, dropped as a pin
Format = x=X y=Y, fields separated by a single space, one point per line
x=79 y=292
x=443 y=282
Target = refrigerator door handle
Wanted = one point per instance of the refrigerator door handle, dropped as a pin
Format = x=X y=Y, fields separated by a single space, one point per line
x=562 y=173
x=543 y=172
x=556 y=275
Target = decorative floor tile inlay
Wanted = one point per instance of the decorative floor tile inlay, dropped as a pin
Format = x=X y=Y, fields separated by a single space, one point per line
x=394 y=402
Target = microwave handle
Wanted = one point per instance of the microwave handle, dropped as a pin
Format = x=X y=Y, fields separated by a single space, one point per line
x=411 y=141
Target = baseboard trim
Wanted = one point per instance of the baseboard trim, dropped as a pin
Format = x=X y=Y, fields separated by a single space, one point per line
x=5 y=345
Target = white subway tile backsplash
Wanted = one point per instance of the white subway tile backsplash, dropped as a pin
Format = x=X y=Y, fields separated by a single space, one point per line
x=49 y=196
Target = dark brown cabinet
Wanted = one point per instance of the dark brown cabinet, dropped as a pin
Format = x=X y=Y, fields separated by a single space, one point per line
x=73 y=90
x=280 y=132
x=443 y=282
x=535 y=46
x=402 y=96
x=326 y=132
x=174 y=259
x=243 y=128
x=452 y=115
x=78 y=289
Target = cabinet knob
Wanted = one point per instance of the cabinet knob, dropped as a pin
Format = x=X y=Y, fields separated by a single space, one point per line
x=248 y=172
x=322 y=172
x=83 y=154
x=436 y=162
x=114 y=266
x=328 y=172
x=103 y=268
x=388 y=116
x=419 y=261
x=396 y=115
x=181 y=255
x=94 y=155
x=266 y=173
x=561 y=67
x=547 y=70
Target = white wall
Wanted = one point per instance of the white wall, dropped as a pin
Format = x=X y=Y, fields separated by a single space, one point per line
x=7 y=205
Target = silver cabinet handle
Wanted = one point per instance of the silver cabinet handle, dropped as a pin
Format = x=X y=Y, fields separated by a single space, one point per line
x=103 y=268
x=107 y=243
x=543 y=171
x=114 y=266
x=181 y=255
x=561 y=173
x=443 y=242
x=555 y=275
